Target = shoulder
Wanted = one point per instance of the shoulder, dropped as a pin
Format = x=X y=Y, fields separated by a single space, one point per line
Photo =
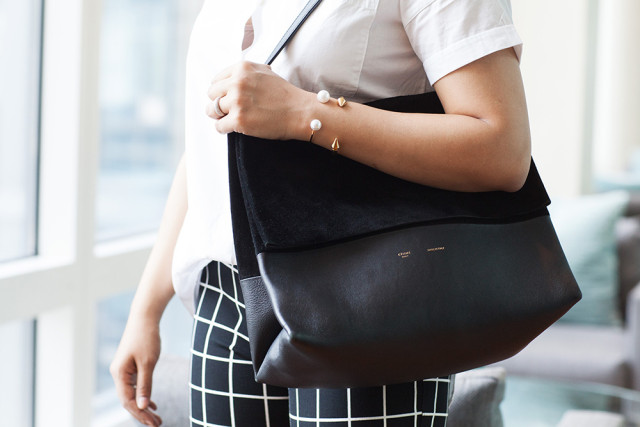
x=477 y=10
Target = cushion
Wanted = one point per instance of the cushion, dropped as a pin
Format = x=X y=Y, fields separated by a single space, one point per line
x=628 y=237
x=584 y=418
x=586 y=229
x=576 y=353
x=170 y=390
x=476 y=398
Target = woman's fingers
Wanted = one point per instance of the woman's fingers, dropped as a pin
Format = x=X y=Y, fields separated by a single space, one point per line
x=143 y=386
x=217 y=108
x=250 y=98
x=225 y=74
x=156 y=420
x=127 y=397
x=225 y=104
x=126 y=379
x=234 y=76
x=146 y=417
x=220 y=88
x=237 y=79
x=238 y=68
x=123 y=374
x=228 y=124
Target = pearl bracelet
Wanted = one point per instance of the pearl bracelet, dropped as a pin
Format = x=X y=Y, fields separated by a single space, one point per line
x=323 y=96
x=315 y=125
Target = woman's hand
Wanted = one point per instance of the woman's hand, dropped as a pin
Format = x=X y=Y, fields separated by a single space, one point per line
x=256 y=101
x=132 y=369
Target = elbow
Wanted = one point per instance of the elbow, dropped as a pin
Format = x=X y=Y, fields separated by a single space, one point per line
x=514 y=178
x=513 y=166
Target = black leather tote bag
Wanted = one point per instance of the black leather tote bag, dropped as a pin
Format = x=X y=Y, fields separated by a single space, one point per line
x=352 y=277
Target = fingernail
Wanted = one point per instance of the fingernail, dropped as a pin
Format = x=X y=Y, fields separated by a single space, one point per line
x=141 y=401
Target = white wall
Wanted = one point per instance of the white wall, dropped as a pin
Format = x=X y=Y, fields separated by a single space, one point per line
x=558 y=81
x=617 y=130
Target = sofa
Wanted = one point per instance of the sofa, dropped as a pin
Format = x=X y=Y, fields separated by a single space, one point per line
x=608 y=354
x=475 y=403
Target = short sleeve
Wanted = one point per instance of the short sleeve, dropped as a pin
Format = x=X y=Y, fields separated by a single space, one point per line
x=449 y=34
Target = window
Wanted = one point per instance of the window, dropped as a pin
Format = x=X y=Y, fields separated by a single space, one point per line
x=141 y=125
x=20 y=46
x=16 y=371
x=20 y=56
x=140 y=114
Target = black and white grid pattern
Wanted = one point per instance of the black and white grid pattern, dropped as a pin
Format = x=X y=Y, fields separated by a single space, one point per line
x=224 y=392
x=419 y=403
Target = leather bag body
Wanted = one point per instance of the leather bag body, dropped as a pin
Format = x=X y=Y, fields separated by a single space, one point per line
x=352 y=277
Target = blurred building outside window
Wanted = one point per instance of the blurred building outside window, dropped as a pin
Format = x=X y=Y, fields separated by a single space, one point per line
x=141 y=116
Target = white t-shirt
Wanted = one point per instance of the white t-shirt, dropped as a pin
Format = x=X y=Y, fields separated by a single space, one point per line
x=360 y=49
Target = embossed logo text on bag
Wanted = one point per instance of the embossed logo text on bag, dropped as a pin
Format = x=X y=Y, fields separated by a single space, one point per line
x=439 y=248
x=404 y=254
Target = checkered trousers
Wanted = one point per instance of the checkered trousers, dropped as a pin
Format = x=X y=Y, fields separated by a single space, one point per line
x=225 y=393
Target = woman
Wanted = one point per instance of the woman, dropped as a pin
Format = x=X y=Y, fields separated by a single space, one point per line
x=466 y=50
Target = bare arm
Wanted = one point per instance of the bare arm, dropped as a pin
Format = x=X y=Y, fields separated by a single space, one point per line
x=139 y=347
x=481 y=144
x=156 y=288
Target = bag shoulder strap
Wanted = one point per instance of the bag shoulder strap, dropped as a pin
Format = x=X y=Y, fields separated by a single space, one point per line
x=295 y=26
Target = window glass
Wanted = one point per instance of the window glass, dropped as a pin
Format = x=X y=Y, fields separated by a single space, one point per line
x=16 y=372
x=20 y=34
x=140 y=111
